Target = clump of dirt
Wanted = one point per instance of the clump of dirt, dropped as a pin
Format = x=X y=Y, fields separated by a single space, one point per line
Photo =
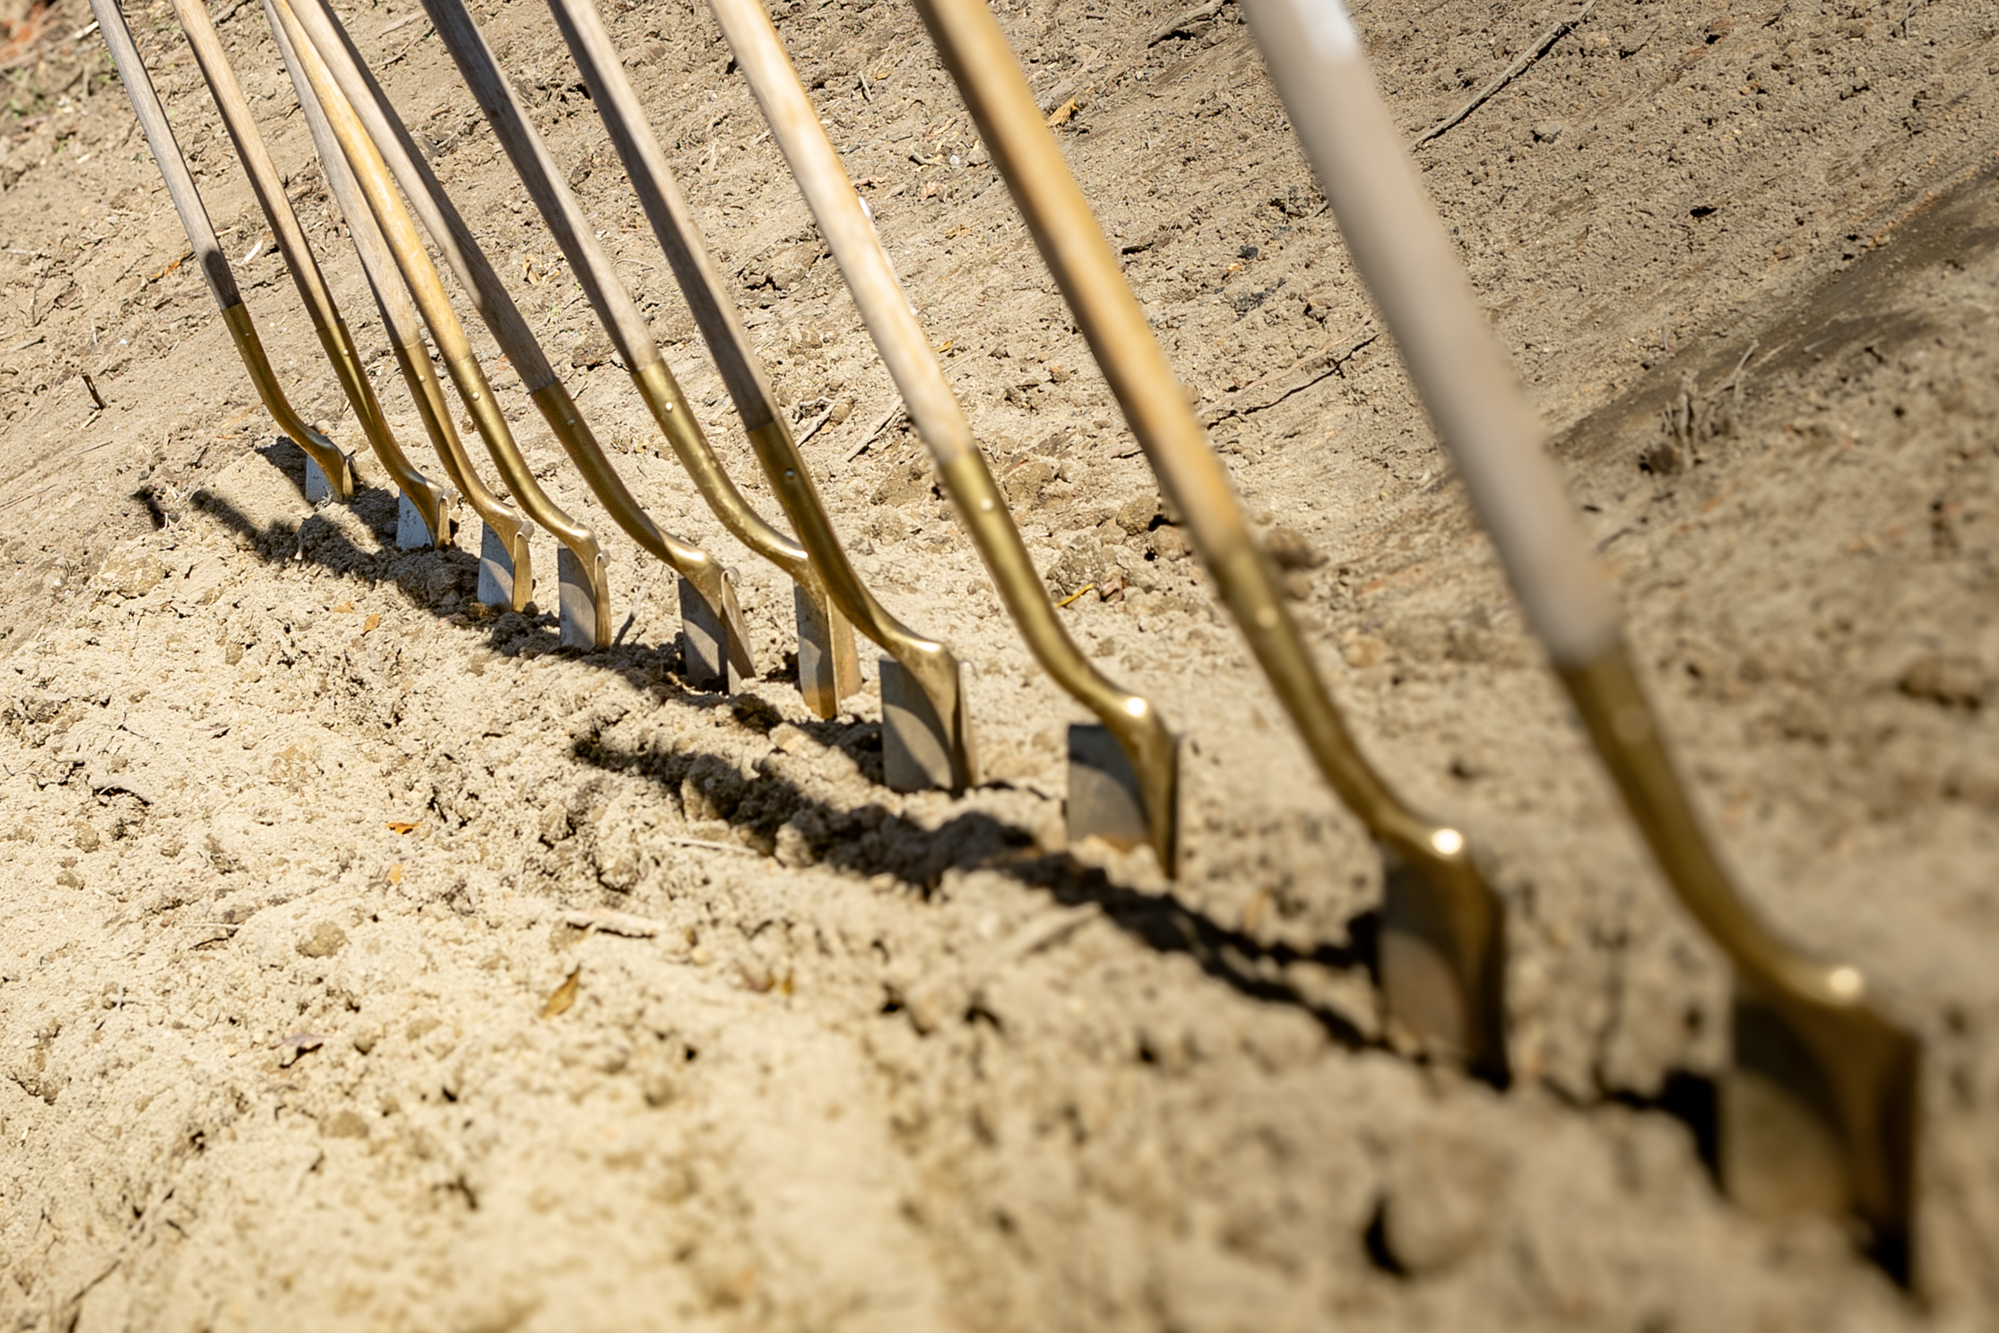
x=368 y=960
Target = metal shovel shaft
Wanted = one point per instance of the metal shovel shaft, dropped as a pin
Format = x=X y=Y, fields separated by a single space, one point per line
x=404 y=327
x=448 y=229
x=616 y=311
x=425 y=285
x=431 y=501
x=885 y=309
x=1443 y=952
x=1154 y=403
x=208 y=251
x=927 y=661
x=1845 y=1060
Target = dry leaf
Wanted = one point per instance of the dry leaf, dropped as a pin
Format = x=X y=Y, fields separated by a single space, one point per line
x=1060 y=115
x=343 y=607
x=396 y=873
x=371 y=622
x=564 y=996
x=398 y=826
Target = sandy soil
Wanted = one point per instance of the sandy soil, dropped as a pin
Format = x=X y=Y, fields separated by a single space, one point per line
x=369 y=963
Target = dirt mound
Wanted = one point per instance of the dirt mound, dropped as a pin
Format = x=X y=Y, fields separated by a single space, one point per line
x=368 y=961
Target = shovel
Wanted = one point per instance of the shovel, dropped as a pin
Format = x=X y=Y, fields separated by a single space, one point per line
x=825 y=637
x=506 y=575
x=333 y=464
x=1443 y=930
x=1130 y=802
x=927 y=740
x=719 y=621
x=584 y=598
x=429 y=504
x=1819 y=1111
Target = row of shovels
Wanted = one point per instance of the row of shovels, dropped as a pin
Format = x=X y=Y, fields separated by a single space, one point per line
x=1818 y=1111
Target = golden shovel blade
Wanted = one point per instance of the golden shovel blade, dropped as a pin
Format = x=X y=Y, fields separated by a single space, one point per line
x=1818 y=1114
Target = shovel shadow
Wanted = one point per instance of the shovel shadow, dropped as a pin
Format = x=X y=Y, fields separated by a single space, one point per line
x=866 y=840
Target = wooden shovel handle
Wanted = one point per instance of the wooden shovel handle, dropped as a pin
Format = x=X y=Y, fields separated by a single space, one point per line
x=1416 y=277
x=166 y=151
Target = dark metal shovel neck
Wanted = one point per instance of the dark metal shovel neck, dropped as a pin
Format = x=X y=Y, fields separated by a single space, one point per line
x=1820 y=1107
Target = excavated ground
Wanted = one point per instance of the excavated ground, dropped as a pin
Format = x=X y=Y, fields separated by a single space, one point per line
x=367 y=962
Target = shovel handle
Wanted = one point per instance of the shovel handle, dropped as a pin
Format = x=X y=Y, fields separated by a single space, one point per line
x=930 y=663
x=1189 y=471
x=1397 y=240
x=208 y=252
x=256 y=159
x=166 y=151
x=426 y=195
x=883 y=304
x=1457 y=364
x=616 y=311
x=666 y=210
x=371 y=172
x=334 y=336
x=940 y=421
x=495 y=304
x=392 y=298
x=366 y=102
x=399 y=315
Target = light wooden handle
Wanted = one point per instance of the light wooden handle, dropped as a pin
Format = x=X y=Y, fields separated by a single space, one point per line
x=667 y=212
x=263 y=173
x=537 y=169
x=399 y=315
x=883 y=304
x=166 y=151
x=447 y=227
x=1416 y=277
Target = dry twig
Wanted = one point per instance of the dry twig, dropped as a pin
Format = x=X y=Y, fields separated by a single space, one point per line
x=894 y=409
x=1485 y=94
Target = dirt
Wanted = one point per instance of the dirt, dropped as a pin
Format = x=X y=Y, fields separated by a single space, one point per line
x=369 y=962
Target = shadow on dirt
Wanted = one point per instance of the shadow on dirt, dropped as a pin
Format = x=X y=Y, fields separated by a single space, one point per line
x=1875 y=303
x=868 y=840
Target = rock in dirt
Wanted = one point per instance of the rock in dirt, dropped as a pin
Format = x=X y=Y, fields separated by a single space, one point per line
x=1442 y=1195
x=322 y=941
x=1948 y=682
x=1292 y=550
x=129 y=573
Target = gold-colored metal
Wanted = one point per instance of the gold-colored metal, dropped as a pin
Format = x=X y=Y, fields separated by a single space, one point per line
x=502 y=518
x=432 y=502
x=427 y=288
x=1141 y=733
x=1443 y=973
x=1148 y=747
x=930 y=664
x=402 y=326
x=691 y=562
x=1820 y=1111
x=208 y=256
x=663 y=398
x=436 y=504
x=339 y=471
x=401 y=323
